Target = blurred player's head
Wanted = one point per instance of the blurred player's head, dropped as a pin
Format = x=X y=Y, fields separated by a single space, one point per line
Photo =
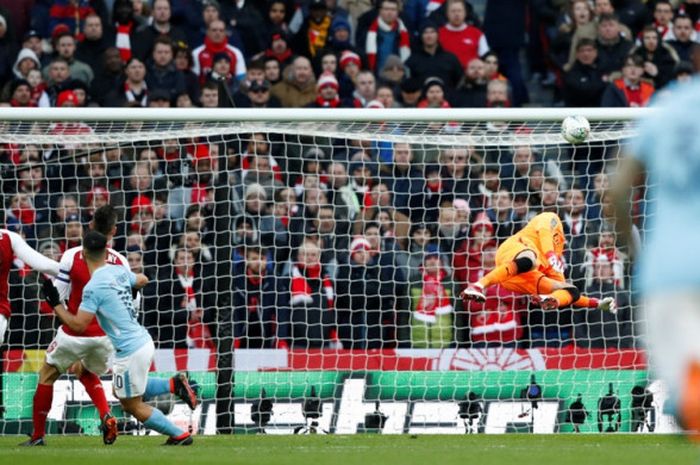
x=105 y=221
x=94 y=248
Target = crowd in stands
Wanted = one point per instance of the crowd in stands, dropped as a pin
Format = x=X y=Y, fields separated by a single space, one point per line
x=335 y=243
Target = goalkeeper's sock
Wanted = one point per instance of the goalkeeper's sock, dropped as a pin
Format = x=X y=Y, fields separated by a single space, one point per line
x=499 y=274
x=586 y=302
x=43 y=397
x=158 y=422
x=156 y=387
x=94 y=388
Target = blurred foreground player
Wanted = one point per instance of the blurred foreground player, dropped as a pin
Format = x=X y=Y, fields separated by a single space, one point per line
x=530 y=262
x=108 y=297
x=667 y=151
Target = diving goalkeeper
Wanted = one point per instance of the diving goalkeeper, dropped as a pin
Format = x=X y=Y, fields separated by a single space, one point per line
x=530 y=262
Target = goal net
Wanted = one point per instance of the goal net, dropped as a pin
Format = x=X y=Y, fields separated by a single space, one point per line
x=305 y=267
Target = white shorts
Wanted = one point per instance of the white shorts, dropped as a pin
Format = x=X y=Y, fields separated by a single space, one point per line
x=673 y=336
x=130 y=373
x=93 y=352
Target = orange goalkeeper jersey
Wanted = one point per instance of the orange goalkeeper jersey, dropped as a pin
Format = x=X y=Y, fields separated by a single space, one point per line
x=544 y=233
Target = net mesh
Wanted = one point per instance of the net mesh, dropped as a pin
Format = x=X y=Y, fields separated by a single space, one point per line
x=307 y=274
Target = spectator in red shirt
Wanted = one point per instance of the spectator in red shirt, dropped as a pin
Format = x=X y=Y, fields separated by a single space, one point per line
x=464 y=41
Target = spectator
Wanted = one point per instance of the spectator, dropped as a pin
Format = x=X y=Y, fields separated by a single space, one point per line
x=298 y=88
x=184 y=295
x=501 y=214
x=65 y=46
x=405 y=182
x=183 y=62
x=134 y=91
x=246 y=19
x=107 y=77
x=630 y=90
x=583 y=83
x=32 y=40
x=94 y=44
x=497 y=94
x=660 y=58
x=326 y=62
x=433 y=94
x=496 y=322
x=464 y=41
x=663 y=18
x=273 y=72
x=393 y=71
x=58 y=79
x=365 y=89
x=340 y=192
x=221 y=73
x=429 y=59
x=327 y=93
x=312 y=299
x=607 y=248
x=209 y=96
x=215 y=42
x=279 y=49
x=471 y=90
x=159 y=26
x=259 y=96
x=125 y=28
x=340 y=38
x=277 y=16
x=20 y=93
x=362 y=298
x=491 y=66
x=314 y=33
x=599 y=330
x=410 y=93
x=387 y=35
x=550 y=196
x=432 y=305
x=260 y=303
x=683 y=37
x=26 y=61
x=612 y=47
x=576 y=229
x=162 y=73
x=350 y=65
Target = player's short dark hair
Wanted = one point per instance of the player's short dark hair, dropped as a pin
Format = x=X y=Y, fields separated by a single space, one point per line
x=94 y=245
x=104 y=220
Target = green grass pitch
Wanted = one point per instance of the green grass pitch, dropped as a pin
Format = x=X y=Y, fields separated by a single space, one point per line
x=512 y=449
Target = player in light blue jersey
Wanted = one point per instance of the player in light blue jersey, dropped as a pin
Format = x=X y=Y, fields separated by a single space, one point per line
x=667 y=151
x=108 y=296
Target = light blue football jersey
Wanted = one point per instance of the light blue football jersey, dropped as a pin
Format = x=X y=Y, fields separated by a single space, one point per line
x=108 y=295
x=669 y=147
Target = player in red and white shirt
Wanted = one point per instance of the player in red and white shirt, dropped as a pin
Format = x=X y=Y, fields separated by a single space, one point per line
x=459 y=38
x=87 y=353
x=13 y=247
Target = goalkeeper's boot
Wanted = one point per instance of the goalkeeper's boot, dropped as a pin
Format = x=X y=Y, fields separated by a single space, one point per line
x=183 y=440
x=109 y=429
x=185 y=390
x=608 y=304
x=475 y=292
x=34 y=442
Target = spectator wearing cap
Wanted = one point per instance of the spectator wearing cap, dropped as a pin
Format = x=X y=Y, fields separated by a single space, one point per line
x=327 y=93
x=387 y=35
x=258 y=96
x=159 y=25
x=298 y=88
x=94 y=43
x=410 y=92
x=279 y=48
x=463 y=40
x=431 y=326
x=162 y=73
x=433 y=94
x=32 y=40
x=64 y=44
x=350 y=65
x=215 y=42
x=67 y=98
x=393 y=71
x=108 y=77
x=20 y=93
x=315 y=31
x=25 y=62
x=133 y=90
x=429 y=59
x=340 y=36
x=630 y=90
x=583 y=82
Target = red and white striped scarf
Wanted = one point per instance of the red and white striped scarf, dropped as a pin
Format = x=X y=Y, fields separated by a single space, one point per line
x=371 y=45
x=432 y=6
x=123 y=42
